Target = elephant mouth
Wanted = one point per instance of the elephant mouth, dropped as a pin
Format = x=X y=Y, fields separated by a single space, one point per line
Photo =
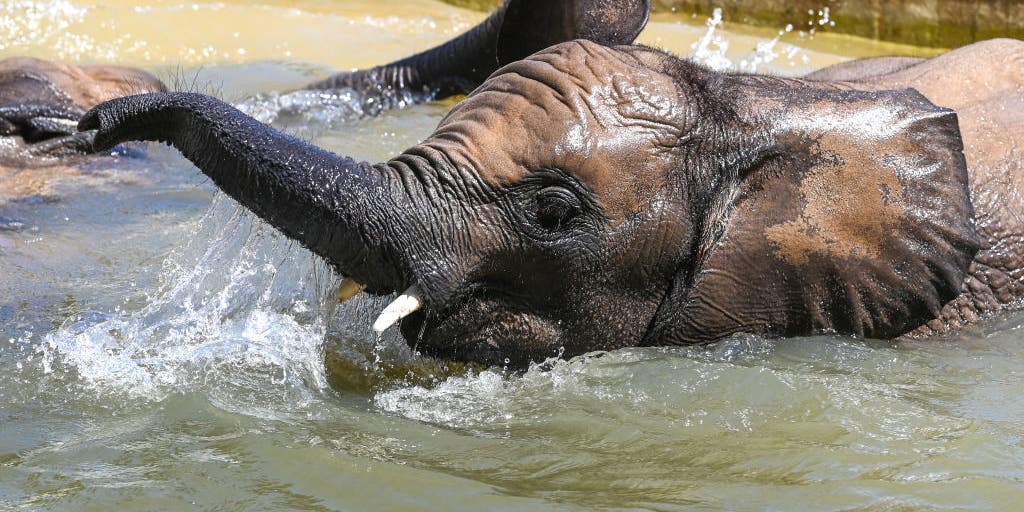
x=445 y=339
x=484 y=326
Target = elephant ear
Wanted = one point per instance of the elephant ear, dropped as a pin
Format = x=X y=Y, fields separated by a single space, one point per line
x=529 y=26
x=854 y=219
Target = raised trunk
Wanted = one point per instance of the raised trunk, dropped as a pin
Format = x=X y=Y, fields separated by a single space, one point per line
x=514 y=31
x=454 y=67
x=340 y=209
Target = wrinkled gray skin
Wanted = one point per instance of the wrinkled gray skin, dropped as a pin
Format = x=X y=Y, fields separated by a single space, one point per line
x=42 y=101
x=592 y=197
x=984 y=84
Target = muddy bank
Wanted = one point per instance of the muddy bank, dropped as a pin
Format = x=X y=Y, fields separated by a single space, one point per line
x=934 y=23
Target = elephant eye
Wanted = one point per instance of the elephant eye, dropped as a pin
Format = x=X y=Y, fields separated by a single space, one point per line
x=556 y=206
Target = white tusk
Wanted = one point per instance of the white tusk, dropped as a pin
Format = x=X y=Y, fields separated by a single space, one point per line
x=406 y=303
x=349 y=288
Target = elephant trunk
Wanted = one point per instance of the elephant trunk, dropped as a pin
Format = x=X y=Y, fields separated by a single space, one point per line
x=344 y=211
x=515 y=30
x=455 y=67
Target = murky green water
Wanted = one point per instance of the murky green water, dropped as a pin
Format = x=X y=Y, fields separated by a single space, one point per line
x=160 y=349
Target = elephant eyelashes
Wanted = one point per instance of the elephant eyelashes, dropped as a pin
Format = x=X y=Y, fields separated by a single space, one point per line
x=556 y=206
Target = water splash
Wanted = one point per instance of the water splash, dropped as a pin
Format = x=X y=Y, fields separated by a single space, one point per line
x=303 y=107
x=321 y=109
x=239 y=311
x=712 y=49
x=465 y=401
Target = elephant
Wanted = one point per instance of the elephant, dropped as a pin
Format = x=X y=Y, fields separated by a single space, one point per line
x=40 y=105
x=41 y=102
x=595 y=196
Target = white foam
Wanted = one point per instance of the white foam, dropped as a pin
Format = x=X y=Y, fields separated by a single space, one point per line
x=239 y=305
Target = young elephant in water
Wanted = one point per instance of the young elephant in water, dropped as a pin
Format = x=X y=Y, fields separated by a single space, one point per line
x=593 y=197
x=42 y=101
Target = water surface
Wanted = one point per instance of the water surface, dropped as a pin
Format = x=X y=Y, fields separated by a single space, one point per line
x=161 y=349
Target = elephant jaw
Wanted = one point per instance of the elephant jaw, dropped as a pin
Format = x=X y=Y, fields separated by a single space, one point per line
x=467 y=327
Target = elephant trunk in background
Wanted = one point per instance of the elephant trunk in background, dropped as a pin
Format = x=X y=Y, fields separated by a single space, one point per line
x=515 y=30
x=454 y=67
x=340 y=209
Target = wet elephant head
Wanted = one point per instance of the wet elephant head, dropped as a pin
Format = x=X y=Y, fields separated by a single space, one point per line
x=592 y=197
x=41 y=102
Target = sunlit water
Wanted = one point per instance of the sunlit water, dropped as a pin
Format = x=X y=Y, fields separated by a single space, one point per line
x=161 y=349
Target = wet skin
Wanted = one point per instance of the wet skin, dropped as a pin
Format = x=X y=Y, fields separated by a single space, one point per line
x=42 y=101
x=592 y=197
x=984 y=84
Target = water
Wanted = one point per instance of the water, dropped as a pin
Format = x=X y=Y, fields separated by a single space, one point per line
x=161 y=349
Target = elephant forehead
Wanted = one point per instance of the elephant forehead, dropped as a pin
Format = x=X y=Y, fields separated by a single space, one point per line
x=27 y=79
x=586 y=109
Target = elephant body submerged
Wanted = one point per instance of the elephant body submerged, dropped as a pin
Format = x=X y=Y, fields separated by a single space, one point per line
x=593 y=197
x=40 y=105
x=41 y=102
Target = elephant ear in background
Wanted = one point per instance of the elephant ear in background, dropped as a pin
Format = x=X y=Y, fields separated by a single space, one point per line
x=854 y=219
x=514 y=31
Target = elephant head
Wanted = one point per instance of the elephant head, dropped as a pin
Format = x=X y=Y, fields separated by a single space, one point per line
x=41 y=102
x=593 y=197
